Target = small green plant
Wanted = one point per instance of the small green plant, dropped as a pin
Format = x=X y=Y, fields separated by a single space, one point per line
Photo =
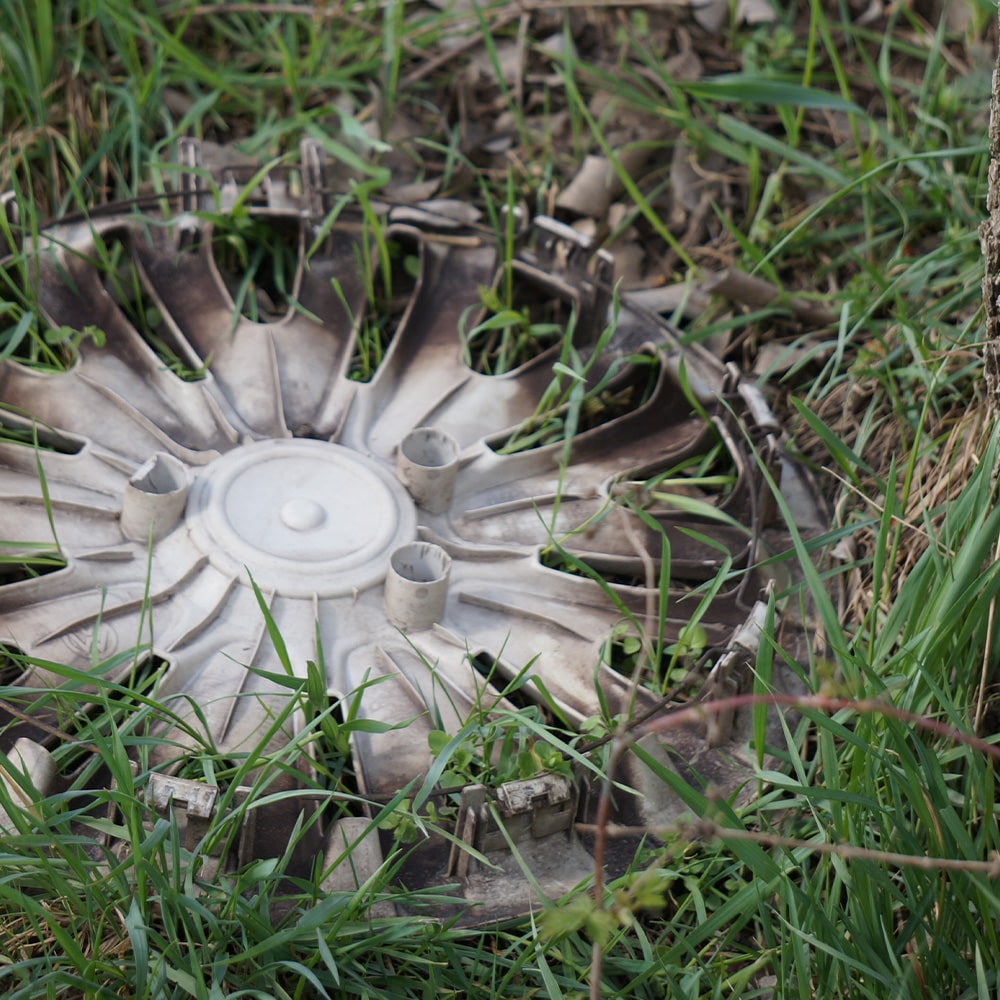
x=520 y=318
x=503 y=748
x=575 y=401
x=46 y=348
x=25 y=335
x=388 y=266
x=258 y=260
x=498 y=742
x=634 y=896
x=510 y=335
x=698 y=484
x=27 y=560
x=673 y=673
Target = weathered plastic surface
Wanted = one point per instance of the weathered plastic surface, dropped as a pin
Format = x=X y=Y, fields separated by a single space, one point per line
x=387 y=536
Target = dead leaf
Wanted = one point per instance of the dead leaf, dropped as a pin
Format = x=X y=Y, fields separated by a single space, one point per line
x=589 y=193
x=617 y=214
x=629 y=260
x=438 y=213
x=416 y=191
x=681 y=300
x=686 y=184
x=753 y=12
x=509 y=58
x=775 y=359
x=498 y=144
x=627 y=248
x=846 y=550
x=871 y=14
x=957 y=14
x=712 y=15
x=693 y=187
x=596 y=183
x=749 y=290
x=556 y=46
x=685 y=66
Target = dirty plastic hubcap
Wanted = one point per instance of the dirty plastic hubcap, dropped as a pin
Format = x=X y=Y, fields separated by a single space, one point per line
x=401 y=548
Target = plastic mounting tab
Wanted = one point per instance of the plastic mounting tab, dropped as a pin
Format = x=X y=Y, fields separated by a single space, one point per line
x=529 y=809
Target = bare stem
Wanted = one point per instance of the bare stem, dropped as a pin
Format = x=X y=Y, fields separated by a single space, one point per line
x=619 y=742
x=817 y=703
x=600 y=831
x=707 y=830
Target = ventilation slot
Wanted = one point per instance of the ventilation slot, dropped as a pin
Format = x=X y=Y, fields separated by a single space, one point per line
x=15 y=429
x=697 y=486
x=668 y=672
x=21 y=702
x=621 y=571
x=515 y=690
x=258 y=259
x=563 y=412
x=520 y=320
x=11 y=666
x=20 y=561
x=24 y=335
x=390 y=274
x=124 y=282
x=122 y=693
x=329 y=757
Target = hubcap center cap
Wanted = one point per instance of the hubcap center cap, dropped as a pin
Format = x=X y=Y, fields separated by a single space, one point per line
x=303 y=517
x=302 y=514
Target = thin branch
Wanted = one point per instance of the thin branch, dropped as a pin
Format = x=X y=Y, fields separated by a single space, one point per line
x=707 y=830
x=826 y=704
x=67 y=739
x=600 y=843
x=619 y=743
x=425 y=69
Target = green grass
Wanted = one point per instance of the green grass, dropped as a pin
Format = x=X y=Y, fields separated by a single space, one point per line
x=845 y=163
